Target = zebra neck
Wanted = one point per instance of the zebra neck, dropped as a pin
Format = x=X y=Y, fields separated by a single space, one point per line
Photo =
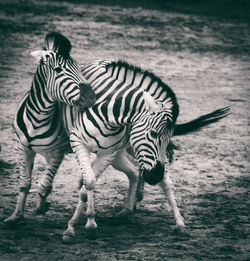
x=39 y=101
x=31 y=125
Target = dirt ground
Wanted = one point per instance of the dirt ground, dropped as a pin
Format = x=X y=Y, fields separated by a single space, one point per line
x=205 y=60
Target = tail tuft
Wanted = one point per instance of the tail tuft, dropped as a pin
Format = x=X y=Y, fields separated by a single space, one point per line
x=197 y=124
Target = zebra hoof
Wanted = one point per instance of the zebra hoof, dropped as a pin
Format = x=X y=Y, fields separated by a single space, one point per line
x=12 y=220
x=43 y=209
x=124 y=212
x=68 y=238
x=180 y=230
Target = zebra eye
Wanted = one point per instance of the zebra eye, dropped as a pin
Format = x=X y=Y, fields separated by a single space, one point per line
x=58 y=69
x=153 y=134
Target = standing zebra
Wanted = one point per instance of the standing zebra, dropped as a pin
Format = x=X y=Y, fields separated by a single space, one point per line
x=38 y=123
x=133 y=108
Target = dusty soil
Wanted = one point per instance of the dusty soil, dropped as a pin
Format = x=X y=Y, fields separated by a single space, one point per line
x=205 y=59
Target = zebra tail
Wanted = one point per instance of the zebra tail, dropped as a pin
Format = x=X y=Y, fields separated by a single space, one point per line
x=197 y=124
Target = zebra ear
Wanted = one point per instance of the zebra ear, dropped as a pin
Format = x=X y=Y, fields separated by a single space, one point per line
x=150 y=103
x=41 y=54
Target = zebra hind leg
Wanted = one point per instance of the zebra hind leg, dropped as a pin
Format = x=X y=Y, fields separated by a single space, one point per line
x=25 y=184
x=54 y=160
x=126 y=163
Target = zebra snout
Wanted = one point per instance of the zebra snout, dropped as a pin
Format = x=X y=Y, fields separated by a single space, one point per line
x=87 y=96
x=155 y=175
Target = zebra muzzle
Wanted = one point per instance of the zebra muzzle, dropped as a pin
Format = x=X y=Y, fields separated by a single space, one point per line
x=155 y=175
x=87 y=96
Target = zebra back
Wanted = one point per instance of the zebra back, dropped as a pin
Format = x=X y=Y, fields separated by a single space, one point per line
x=109 y=77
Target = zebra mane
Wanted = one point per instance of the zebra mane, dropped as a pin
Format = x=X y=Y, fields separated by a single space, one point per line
x=135 y=71
x=127 y=66
x=58 y=43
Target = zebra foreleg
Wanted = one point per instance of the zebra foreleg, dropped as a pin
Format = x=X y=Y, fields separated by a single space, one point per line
x=25 y=184
x=90 y=174
x=167 y=189
x=69 y=233
x=127 y=164
x=86 y=193
x=102 y=161
x=54 y=160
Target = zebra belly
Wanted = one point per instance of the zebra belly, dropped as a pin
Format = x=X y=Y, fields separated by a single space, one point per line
x=42 y=144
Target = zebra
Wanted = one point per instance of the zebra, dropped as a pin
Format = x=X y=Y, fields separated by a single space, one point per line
x=38 y=123
x=132 y=120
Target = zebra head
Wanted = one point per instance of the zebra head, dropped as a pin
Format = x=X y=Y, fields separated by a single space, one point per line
x=60 y=73
x=150 y=136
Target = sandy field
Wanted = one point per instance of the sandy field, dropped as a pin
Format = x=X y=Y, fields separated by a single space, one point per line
x=205 y=60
